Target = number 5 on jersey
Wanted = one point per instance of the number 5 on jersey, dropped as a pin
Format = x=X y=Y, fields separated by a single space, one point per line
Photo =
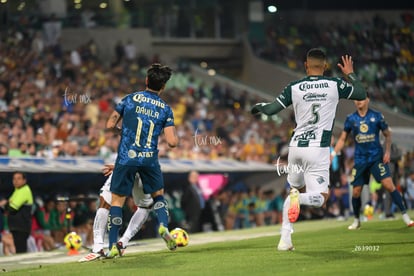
x=314 y=111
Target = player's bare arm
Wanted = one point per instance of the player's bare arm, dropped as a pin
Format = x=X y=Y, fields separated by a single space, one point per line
x=387 y=153
x=171 y=136
x=113 y=121
x=339 y=144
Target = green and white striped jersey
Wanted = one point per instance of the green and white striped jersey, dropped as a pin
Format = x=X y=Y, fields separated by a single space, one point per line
x=314 y=100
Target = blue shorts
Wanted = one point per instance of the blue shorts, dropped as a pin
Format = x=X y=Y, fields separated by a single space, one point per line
x=362 y=172
x=123 y=178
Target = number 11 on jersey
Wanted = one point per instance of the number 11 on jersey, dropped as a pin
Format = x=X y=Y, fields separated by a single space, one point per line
x=139 y=132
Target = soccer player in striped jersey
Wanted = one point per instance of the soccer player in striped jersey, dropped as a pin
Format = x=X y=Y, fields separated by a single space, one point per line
x=144 y=116
x=314 y=99
x=366 y=125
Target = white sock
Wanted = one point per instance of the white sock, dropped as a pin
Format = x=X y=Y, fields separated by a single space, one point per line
x=287 y=226
x=99 y=229
x=406 y=218
x=311 y=199
x=136 y=222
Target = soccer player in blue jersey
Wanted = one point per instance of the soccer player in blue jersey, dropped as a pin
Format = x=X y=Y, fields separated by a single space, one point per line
x=144 y=116
x=366 y=124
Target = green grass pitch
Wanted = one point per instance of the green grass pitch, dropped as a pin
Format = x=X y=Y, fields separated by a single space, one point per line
x=322 y=248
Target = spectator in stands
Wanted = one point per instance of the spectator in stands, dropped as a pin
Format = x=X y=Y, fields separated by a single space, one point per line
x=19 y=217
x=40 y=229
x=130 y=51
x=409 y=190
x=6 y=238
x=193 y=202
x=252 y=150
x=231 y=211
x=276 y=206
x=119 y=52
x=62 y=221
x=83 y=219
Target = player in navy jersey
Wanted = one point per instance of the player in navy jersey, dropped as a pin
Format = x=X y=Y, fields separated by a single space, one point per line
x=366 y=125
x=144 y=116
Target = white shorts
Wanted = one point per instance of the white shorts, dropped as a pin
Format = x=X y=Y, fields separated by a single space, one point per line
x=140 y=199
x=309 y=166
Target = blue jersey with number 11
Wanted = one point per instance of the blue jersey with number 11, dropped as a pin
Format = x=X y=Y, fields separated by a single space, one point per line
x=144 y=116
x=366 y=135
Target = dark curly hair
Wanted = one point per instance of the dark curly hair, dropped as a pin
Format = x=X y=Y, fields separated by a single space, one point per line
x=158 y=75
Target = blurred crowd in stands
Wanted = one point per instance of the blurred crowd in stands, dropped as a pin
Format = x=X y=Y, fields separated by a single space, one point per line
x=55 y=103
x=382 y=51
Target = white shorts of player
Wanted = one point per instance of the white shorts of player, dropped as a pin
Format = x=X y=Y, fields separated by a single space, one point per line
x=309 y=166
x=140 y=199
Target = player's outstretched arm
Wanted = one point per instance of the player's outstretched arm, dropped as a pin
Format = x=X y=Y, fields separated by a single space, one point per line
x=171 y=136
x=347 y=68
x=267 y=108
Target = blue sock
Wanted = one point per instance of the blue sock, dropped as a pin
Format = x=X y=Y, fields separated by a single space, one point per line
x=397 y=199
x=161 y=209
x=356 y=205
x=114 y=224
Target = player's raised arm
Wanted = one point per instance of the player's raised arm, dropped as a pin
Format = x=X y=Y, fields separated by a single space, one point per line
x=113 y=121
x=171 y=136
x=347 y=69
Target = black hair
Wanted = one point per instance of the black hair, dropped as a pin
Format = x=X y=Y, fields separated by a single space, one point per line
x=22 y=173
x=317 y=53
x=158 y=75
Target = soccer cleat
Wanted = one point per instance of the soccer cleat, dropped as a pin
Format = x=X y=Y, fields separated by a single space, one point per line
x=294 y=208
x=163 y=231
x=355 y=225
x=93 y=256
x=117 y=250
x=121 y=248
x=284 y=246
x=407 y=220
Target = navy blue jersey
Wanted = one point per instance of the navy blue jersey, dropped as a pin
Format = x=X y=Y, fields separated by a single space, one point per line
x=144 y=116
x=366 y=135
